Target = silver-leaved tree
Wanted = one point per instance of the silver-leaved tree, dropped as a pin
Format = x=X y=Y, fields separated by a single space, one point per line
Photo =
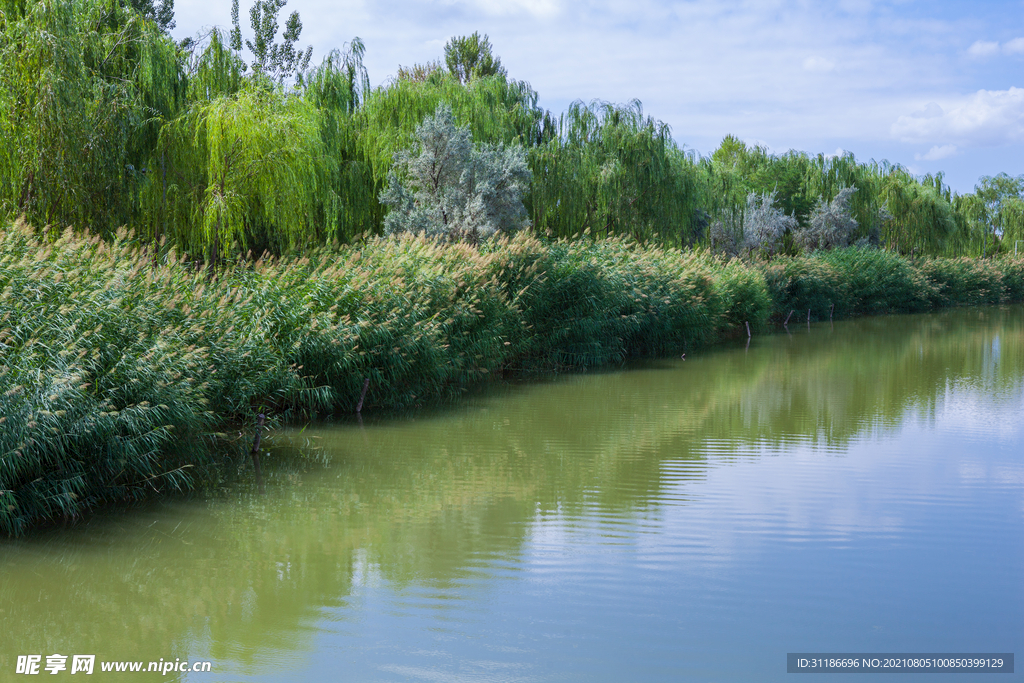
x=831 y=226
x=764 y=224
x=449 y=188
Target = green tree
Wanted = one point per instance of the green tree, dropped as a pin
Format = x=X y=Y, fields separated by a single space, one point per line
x=471 y=57
x=248 y=171
x=922 y=217
x=160 y=12
x=611 y=170
x=754 y=169
x=278 y=62
x=214 y=69
x=497 y=111
x=337 y=89
x=84 y=89
x=1003 y=199
x=419 y=73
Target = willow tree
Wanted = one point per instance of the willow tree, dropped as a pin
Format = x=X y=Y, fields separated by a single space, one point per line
x=1003 y=198
x=161 y=12
x=922 y=220
x=1011 y=223
x=983 y=226
x=753 y=169
x=495 y=108
x=337 y=89
x=248 y=172
x=610 y=170
x=214 y=69
x=911 y=215
x=971 y=234
x=830 y=175
x=84 y=87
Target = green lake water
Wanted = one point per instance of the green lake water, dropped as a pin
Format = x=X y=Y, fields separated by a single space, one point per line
x=856 y=487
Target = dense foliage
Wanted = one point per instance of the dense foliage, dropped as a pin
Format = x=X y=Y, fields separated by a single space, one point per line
x=106 y=122
x=119 y=365
x=121 y=356
x=451 y=189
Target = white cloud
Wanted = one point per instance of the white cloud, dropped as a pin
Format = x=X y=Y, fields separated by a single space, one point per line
x=986 y=118
x=983 y=48
x=937 y=152
x=931 y=110
x=1014 y=47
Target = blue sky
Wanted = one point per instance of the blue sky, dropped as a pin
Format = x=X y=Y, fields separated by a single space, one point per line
x=935 y=86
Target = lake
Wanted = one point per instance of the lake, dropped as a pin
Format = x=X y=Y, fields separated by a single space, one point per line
x=856 y=487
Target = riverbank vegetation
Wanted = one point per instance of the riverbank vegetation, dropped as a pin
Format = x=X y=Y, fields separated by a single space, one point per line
x=424 y=235
x=122 y=366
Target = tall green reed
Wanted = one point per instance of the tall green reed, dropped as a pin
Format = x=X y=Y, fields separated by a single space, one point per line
x=120 y=369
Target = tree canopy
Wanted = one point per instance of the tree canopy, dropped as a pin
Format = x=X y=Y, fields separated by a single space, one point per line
x=449 y=188
x=233 y=142
x=279 y=62
x=470 y=57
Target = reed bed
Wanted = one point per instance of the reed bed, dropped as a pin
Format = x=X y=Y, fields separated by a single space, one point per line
x=806 y=284
x=120 y=372
x=848 y=282
x=966 y=281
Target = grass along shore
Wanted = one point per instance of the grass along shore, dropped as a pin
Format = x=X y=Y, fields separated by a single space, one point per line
x=117 y=370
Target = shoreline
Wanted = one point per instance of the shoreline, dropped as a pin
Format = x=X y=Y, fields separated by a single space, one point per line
x=120 y=371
